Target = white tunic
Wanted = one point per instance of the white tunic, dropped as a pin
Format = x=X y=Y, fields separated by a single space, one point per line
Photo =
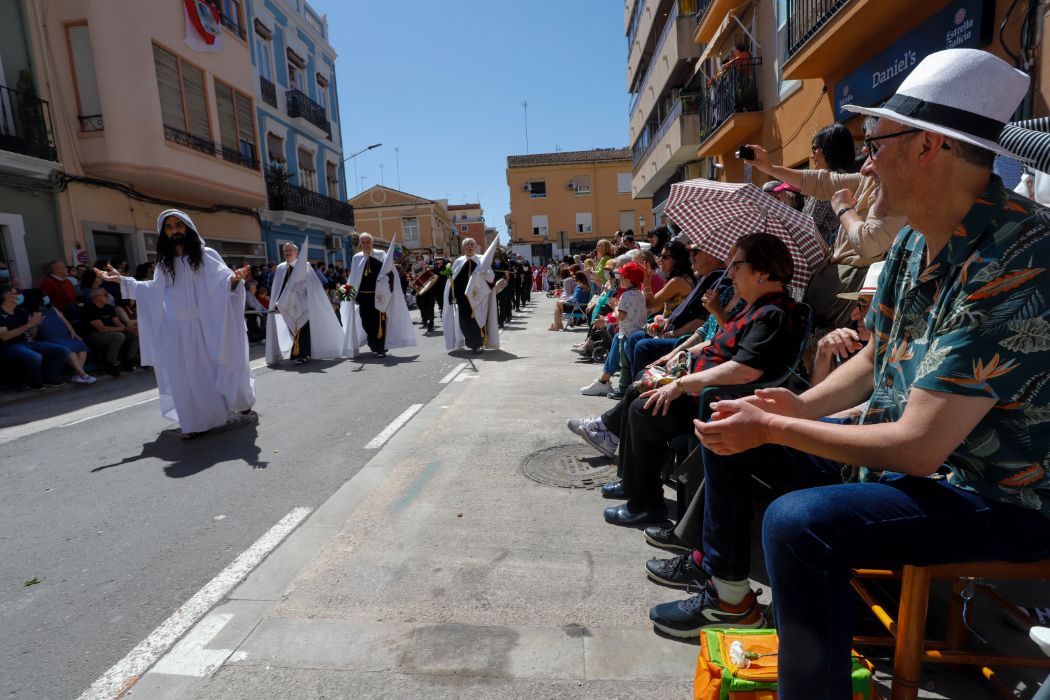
x=191 y=330
x=296 y=302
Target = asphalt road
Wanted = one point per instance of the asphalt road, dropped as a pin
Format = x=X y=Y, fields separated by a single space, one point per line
x=121 y=522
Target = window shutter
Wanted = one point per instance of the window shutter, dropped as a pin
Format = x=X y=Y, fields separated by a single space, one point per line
x=168 y=85
x=196 y=103
x=245 y=123
x=84 y=70
x=227 y=117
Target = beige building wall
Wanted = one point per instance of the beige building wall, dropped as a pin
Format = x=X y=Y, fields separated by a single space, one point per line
x=609 y=203
x=384 y=211
x=130 y=148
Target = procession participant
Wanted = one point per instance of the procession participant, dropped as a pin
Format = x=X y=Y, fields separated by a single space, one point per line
x=444 y=271
x=425 y=302
x=191 y=328
x=503 y=276
x=390 y=303
x=301 y=323
x=470 y=308
x=364 y=273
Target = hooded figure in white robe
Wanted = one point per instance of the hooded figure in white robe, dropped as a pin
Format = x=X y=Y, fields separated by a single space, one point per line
x=379 y=314
x=302 y=323
x=469 y=317
x=191 y=329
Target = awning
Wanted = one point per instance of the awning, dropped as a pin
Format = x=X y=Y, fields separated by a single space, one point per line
x=729 y=23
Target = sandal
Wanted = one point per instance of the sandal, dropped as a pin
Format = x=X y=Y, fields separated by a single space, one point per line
x=188 y=436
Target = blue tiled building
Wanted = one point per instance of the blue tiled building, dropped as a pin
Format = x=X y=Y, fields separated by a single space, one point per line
x=298 y=115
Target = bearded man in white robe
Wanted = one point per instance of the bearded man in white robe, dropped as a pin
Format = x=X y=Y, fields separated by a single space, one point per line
x=191 y=329
x=301 y=322
x=469 y=316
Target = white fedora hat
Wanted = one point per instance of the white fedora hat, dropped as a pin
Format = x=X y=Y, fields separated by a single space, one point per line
x=871 y=283
x=965 y=94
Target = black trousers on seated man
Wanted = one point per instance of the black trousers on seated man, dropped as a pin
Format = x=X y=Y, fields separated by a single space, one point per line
x=643 y=445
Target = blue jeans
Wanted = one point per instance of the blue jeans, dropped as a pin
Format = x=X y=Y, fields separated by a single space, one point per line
x=816 y=533
x=628 y=346
x=612 y=360
x=647 y=350
x=41 y=362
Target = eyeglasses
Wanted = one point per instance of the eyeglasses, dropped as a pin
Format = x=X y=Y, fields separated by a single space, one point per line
x=872 y=148
x=738 y=262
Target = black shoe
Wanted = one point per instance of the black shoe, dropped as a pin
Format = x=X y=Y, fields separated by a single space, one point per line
x=663 y=537
x=113 y=370
x=300 y=361
x=622 y=515
x=614 y=489
x=381 y=353
x=677 y=571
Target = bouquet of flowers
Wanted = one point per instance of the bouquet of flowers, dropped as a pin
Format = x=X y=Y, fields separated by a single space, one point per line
x=655 y=327
x=345 y=292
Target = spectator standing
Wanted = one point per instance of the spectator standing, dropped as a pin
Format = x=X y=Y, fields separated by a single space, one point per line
x=831 y=149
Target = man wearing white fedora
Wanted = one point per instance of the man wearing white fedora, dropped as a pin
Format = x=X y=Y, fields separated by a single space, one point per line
x=956 y=380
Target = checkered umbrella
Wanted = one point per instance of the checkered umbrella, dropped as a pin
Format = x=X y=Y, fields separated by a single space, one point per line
x=715 y=214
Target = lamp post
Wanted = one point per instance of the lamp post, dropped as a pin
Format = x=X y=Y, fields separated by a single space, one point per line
x=641 y=225
x=355 y=155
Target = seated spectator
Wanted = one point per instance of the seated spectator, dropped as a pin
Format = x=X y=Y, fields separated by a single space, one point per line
x=89 y=281
x=263 y=297
x=758 y=342
x=581 y=294
x=789 y=195
x=254 y=313
x=56 y=329
x=144 y=271
x=843 y=343
x=604 y=252
x=118 y=346
x=39 y=363
x=630 y=316
x=56 y=285
x=658 y=238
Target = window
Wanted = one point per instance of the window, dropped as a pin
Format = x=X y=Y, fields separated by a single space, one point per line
x=322 y=92
x=463 y=227
x=782 y=22
x=236 y=125
x=275 y=148
x=262 y=50
x=623 y=183
x=183 y=105
x=231 y=15
x=332 y=180
x=295 y=77
x=626 y=220
x=583 y=222
x=539 y=225
x=307 y=170
x=583 y=185
x=538 y=189
x=410 y=230
x=89 y=108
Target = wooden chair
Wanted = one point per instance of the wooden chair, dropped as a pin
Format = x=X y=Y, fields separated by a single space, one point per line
x=907 y=633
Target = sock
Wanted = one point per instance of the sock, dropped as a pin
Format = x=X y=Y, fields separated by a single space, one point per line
x=731 y=592
x=698 y=557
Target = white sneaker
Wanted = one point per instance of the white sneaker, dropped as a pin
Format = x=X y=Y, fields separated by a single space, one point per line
x=596 y=388
x=581 y=425
x=601 y=440
x=86 y=379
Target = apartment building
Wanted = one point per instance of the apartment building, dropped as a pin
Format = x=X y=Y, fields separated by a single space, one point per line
x=421 y=224
x=562 y=203
x=469 y=220
x=297 y=107
x=664 y=111
x=152 y=111
x=805 y=60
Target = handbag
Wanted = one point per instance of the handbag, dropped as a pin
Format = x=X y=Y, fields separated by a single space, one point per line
x=655 y=377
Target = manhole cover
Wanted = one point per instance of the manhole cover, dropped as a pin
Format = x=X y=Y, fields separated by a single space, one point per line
x=570 y=467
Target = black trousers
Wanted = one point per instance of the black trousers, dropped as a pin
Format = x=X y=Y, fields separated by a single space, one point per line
x=373 y=322
x=301 y=346
x=468 y=326
x=426 y=308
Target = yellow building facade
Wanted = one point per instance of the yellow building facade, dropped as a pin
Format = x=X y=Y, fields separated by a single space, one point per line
x=421 y=224
x=562 y=203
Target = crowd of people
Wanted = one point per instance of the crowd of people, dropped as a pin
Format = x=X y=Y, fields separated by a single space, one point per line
x=909 y=434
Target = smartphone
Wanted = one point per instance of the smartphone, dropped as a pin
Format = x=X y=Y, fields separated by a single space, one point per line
x=745 y=153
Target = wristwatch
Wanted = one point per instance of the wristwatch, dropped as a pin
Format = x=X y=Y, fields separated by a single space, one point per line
x=842 y=211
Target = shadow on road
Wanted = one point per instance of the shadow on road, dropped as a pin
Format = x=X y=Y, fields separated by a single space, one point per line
x=186 y=458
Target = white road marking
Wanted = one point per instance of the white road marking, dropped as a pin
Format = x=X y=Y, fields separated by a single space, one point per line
x=118 y=678
x=106 y=413
x=190 y=658
x=388 y=432
x=465 y=375
x=452 y=375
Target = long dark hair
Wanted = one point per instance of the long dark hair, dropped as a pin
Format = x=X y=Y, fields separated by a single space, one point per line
x=836 y=143
x=683 y=266
x=192 y=249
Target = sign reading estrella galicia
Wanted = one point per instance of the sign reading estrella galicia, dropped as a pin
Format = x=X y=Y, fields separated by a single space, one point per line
x=962 y=24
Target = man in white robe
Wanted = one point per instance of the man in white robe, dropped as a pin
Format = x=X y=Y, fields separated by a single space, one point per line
x=301 y=323
x=469 y=317
x=191 y=329
x=379 y=314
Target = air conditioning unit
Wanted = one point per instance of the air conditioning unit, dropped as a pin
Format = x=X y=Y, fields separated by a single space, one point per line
x=571 y=186
x=526 y=187
x=333 y=242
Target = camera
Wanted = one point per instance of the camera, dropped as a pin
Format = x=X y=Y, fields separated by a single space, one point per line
x=745 y=153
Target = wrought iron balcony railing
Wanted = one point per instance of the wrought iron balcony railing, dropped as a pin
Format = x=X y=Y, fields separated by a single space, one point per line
x=90 y=122
x=805 y=18
x=25 y=125
x=269 y=92
x=734 y=90
x=300 y=105
x=284 y=196
x=210 y=148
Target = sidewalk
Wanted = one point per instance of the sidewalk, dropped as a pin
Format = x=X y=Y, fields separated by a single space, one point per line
x=441 y=571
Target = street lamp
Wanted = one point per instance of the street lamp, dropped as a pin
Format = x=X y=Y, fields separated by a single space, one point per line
x=355 y=155
x=641 y=225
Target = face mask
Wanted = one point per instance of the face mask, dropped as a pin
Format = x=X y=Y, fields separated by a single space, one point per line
x=46 y=301
x=21 y=299
x=5 y=274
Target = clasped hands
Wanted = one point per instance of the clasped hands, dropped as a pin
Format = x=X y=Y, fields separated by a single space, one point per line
x=743 y=424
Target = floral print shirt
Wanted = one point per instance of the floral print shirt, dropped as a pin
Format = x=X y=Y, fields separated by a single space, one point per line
x=975 y=322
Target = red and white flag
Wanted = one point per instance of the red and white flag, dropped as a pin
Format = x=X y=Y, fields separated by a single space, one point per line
x=203 y=26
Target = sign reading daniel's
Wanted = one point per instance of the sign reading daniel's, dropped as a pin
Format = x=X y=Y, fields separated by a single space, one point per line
x=962 y=24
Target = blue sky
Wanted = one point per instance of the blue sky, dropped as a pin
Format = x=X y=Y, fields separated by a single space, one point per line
x=443 y=82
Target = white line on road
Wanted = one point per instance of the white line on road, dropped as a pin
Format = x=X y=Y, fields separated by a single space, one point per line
x=452 y=375
x=388 y=432
x=190 y=658
x=116 y=680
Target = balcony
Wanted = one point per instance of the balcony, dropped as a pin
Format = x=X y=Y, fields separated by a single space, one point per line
x=670 y=145
x=210 y=148
x=90 y=122
x=284 y=196
x=299 y=105
x=670 y=65
x=806 y=18
x=268 y=91
x=231 y=23
x=710 y=16
x=731 y=109
x=25 y=125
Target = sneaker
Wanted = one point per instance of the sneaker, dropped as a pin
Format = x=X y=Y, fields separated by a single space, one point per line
x=678 y=571
x=595 y=388
x=580 y=425
x=601 y=440
x=86 y=379
x=615 y=394
x=685 y=618
x=663 y=537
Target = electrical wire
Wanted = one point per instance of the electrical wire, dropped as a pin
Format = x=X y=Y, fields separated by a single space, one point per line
x=802 y=124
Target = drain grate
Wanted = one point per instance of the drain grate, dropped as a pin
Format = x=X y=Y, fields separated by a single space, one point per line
x=570 y=467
